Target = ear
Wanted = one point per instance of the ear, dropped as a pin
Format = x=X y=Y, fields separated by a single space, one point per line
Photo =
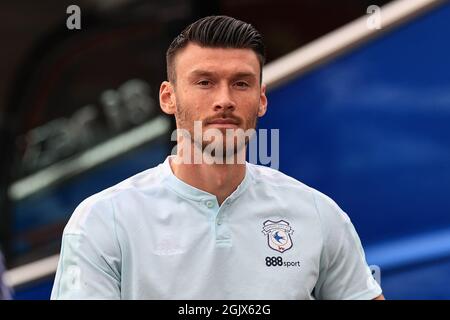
x=167 y=99
x=262 y=101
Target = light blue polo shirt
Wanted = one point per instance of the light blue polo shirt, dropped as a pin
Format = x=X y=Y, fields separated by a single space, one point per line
x=153 y=236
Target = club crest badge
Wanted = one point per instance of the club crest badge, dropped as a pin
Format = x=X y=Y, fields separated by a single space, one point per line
x=278 y=234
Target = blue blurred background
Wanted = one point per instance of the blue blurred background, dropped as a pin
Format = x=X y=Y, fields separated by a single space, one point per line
x=369 y=127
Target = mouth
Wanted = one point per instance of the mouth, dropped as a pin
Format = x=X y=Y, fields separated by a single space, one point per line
x=226 y=123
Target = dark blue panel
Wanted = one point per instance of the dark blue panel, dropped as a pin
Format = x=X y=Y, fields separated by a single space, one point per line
x=372 y=130
x=37 y=291
x=430 y=281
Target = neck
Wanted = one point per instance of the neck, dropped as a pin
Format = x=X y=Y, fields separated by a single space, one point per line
x=220 y=180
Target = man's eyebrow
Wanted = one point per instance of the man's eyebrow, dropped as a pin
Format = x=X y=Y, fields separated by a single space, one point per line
x=206 y=73
x=199 y=72
x=244 y=75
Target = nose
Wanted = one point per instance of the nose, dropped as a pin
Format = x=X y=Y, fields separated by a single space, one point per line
x=224 y=100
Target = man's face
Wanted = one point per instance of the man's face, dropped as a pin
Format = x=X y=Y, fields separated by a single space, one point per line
x=219 y=87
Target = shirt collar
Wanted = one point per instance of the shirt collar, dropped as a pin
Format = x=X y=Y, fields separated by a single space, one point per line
x=187 y=191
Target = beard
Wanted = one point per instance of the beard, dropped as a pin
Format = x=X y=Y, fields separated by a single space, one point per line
x=230 y=142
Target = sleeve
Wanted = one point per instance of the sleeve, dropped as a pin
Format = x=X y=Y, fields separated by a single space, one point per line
x=344 y=273
x=89 y=263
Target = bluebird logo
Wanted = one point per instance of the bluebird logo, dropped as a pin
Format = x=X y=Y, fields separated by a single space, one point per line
x=278 y=235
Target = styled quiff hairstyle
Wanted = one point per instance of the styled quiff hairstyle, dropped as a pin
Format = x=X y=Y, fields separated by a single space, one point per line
x=217 y=32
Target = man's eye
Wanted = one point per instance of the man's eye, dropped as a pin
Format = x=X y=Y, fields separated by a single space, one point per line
x=242 y=84
x=204 y=83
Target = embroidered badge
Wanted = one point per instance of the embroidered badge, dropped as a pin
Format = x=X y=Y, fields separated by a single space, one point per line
x=278 y=235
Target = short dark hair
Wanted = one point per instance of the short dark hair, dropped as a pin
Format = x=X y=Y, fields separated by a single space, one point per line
x=217 y=32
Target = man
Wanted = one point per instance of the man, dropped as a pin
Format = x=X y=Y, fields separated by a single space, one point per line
x=218 y=228
x=5 y=293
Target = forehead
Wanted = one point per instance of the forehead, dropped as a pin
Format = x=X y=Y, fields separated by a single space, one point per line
x=194 y=57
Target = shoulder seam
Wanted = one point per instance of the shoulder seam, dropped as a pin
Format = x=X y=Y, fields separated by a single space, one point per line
x=290 y=181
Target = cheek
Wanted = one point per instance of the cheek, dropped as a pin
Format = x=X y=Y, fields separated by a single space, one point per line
x=195 y=103
x=251 y=108
x=187 y=110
